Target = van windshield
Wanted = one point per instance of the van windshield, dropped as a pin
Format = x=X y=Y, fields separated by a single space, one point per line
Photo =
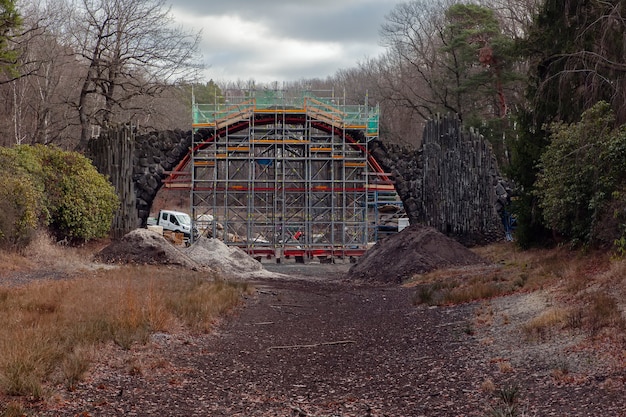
x=184 y=219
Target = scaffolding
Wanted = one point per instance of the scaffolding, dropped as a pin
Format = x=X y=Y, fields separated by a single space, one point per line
x=287 y=173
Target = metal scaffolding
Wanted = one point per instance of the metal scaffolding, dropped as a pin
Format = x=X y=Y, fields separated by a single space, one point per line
x=286 y=173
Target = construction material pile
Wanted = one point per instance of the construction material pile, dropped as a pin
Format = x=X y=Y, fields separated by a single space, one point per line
x=142 y=246
x=231 y=261
x=415 y=250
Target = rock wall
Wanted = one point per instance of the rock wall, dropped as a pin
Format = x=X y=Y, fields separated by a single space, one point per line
x=112 y=154
x=451 y=183
x=156 y=153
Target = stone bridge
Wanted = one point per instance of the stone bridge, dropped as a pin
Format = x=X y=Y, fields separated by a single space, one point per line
x=451 y=182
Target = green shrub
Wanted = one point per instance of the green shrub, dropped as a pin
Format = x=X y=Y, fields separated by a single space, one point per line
x=582 y=168
x=20 y=201
x=80 y=201
x=20 y=208
x=48 y=187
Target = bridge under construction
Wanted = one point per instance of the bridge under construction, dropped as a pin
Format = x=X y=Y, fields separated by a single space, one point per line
x=282 y=173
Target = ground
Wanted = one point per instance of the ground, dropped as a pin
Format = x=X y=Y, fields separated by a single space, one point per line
x=314 y=341
x=321 y=346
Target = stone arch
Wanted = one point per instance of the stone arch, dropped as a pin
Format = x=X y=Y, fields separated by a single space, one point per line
x=451 y=182
x=155 y=154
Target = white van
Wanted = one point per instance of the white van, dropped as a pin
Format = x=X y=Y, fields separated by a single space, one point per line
x=176 y=221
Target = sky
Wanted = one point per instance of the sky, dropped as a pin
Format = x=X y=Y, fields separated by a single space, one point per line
x=283 y=40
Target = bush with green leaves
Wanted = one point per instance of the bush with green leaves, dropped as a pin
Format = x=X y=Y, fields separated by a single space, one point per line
x=582 y=171
x=46 y=186
x=20 y=201
x=80 y=201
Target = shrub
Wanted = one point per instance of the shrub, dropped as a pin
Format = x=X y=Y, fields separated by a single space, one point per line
x=20 y=201
x=582 y=169
x=56 y=189
x=81 y=202
x=20 y=208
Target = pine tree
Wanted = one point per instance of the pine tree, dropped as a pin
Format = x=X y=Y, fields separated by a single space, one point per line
x=10 y=21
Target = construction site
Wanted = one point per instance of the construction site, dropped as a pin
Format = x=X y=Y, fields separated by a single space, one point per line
x=281 y=173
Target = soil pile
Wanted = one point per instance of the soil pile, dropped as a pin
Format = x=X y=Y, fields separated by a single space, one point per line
x=215 y=254
x=142 y=246
x=415 y=250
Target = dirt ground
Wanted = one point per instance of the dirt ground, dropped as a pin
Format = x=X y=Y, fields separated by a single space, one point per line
x=317 y=340
x=311 y=343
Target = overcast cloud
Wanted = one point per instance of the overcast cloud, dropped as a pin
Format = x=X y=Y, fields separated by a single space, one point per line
x=283 y=40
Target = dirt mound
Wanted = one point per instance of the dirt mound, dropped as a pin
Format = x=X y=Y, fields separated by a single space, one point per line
x=416 y=249
x=215 y=254
x=142 y=246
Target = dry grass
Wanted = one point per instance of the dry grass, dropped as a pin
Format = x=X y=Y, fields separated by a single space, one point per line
x=14 y=262
x=503 y=365
x=488 y=386
x=13 y=409
x=51 y=328
x=587 y=292
x=44 y=253
x=512 y=270
x=460 y=285
x=549 y=321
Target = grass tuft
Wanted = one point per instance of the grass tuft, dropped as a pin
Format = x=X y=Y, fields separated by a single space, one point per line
x=75 y=365
x=542 y=326
x=12 y=409
x=604 y=312
x=508 y=403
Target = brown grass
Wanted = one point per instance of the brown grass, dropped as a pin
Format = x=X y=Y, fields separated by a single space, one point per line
x=50 y=328
x=13 y=262
x=512 y=270
x=43 y=252
x=546 y=323
x=13 y=409
x=587 y=291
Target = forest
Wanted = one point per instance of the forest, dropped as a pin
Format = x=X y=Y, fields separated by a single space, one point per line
x=544 y=81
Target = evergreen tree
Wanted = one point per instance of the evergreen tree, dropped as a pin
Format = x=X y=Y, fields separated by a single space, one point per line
x=479 y=70
x=575 y=50
x=9 y=21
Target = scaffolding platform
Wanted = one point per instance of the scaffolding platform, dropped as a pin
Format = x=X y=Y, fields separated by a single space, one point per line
x=283 y=172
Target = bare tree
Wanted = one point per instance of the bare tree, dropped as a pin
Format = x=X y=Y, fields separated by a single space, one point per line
x=410 y=69
x=33 y=96
x=516 y=16
x=130 y=49
x=406 y=79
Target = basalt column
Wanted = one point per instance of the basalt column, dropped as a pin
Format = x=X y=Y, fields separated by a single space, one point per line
x=451 y=182
x=112 y=155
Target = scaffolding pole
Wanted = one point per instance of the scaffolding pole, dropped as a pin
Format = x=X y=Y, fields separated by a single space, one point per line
x=285 y=172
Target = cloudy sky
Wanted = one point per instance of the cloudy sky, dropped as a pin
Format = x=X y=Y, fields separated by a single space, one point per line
x=283 y=40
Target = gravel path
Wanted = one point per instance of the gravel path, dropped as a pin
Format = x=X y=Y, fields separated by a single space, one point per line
x=322 y=347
